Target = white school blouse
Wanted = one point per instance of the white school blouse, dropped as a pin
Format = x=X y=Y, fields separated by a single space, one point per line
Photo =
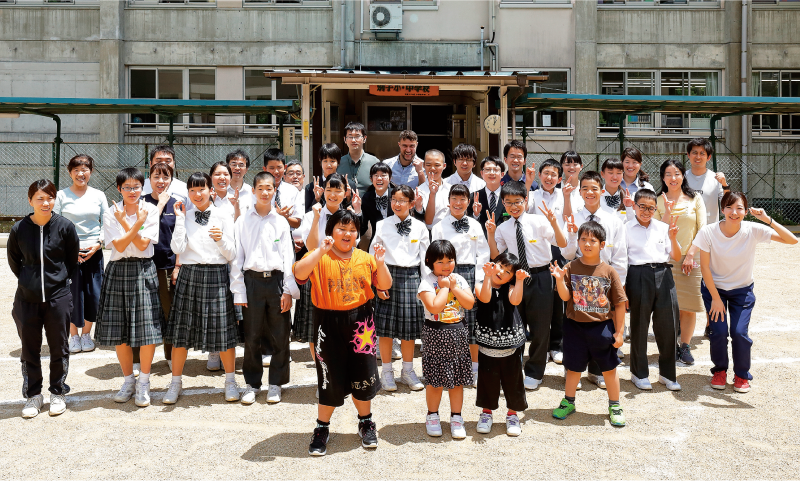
x=554 y=202
x=648 y=245
x=626 y=215
x=191 y=240
x=402 y=250
x=471 y=246
x=441 y=202
x=304 y=230
x=538 y=235
x=615 y=252
x=732 y=258
x=112 y=230
x=473 y=183
x=177 y=189
x=290 y=195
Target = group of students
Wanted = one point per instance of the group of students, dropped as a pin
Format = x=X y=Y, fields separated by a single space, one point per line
x=472 y=266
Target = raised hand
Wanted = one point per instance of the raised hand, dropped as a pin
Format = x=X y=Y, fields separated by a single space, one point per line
x=141 y=212
x=180 y=209
x=556 y=271
x=417 y=200
x=627 y=198
x=720 y=177
x=215 y=233
x=163 y=198
x=235 y=197
x=489 y=269
x=567 y=187
x=530 y=171
x=668 y=205
x=570 y=224
x=285 y=211
x=348 y=192
x=317 y=208
x=356 y=202
x=380 y=252
x=318 y=190
x=760 y=214
x=548 y=213
x=476 y=205
x=522 y=274
x=673 y=228
x=119 y=212
x=491 y=227
x=419 y=165
x=327 y=245
x=444 y=282
x=433 y=186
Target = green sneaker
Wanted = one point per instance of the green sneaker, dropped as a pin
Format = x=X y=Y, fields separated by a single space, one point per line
x=564 y=409
x=616 y=415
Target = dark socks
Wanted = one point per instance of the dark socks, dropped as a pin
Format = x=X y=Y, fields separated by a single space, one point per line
x=570 y=399
x=361 y=419
x=454 y=414
x=323 y=424
x=613 y=403
x=432 y=412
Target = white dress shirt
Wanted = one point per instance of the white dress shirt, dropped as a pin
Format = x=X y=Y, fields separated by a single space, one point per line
x=625 y=215
x=576 y=201
x=263 y=244
x=384 y=212
x=112 y=230
x=473 y=183
x=538 y=233
x=191 y=240
x=471 y=246
x=615 y=252
x=290 y=195
x=402 y=250
x=225 y=205
x=177 y=189
x=246 y=197
x=301 y=233
x=404 y=175
x=442 y=201
x=648 y=245
x=554 y=202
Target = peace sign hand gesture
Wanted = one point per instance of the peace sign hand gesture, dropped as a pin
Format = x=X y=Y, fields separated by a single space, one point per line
x=476 y=205
x=356 y=202
x=433 y=186
x=567 y=187
x=417 y=200
x=627 y=199
x=548 y=213
x=673 y=228
x=491 y=226
x=119 y=212
x=571 y=226
x=318 y=190
x=668 y=205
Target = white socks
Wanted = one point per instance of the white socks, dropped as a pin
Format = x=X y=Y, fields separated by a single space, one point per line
x=177 y=379
x=408 y=366
x=387 y=367
x=230 y=377
x=144 y=378
x=130 y=379
x=474 y=367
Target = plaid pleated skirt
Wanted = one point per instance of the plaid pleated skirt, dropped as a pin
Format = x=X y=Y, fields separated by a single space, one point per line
x=303 y=323
x=467 y=271
x=401 y=316
x=202 y=315
x=129 y=311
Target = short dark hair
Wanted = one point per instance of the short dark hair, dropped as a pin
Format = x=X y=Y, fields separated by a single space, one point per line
x=238 y=154
x=45 y=186
x=612 y=164
x=344 y=217
x=129 y=173
x=515 y=144
x=591 y=175
x=216 y=165
x=355 y=126
x=636 y=155
x=406 y=191
x=731 y=198
x=684 y=185
x=198 y=179
x=335 y=181
x=274 y=154
x=408 y=135
x=438 y=250
x=80 y=160
x=700 y=142
x=459 y=190
x=571 y=157
x=297 y=163
x=594 y=229
x=465 y=150
x=263 y=176
x=645 y=194
x=551 y=163
x=380 y=167
x=330 y=151
x=161 y=168
x=437 y=153
x=162 y=148
x=495 y=160
x=513 y=188
x=507 y=259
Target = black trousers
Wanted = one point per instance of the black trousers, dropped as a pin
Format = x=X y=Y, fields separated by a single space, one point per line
x=536 y=310
x=54 y=317
x=651 y=290
x=166 y=291
x=263 y=319
x=559 y=308
x=497 y=372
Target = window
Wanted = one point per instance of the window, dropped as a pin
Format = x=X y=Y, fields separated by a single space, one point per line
x=174 y=3
x=49 y=2
x=775 y=2
x=172 y=84
x=547 y=121
x=659 y=3
x=259 y=87
x=682 y=83
x=776 y=83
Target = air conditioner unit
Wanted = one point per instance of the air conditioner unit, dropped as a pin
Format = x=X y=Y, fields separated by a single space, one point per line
x=386 y=17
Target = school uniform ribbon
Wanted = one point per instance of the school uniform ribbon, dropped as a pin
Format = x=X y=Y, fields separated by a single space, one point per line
x=404 y=227
x=382 y=202
x=461 y=225
x=202 y=217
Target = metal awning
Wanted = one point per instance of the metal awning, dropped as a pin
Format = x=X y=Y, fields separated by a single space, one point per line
x=444 y=79
x=723 y=106
x=62 y=106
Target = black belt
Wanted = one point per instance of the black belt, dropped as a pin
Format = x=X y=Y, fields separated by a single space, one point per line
x=536 y=270
x=655 y=265
x=261 y=275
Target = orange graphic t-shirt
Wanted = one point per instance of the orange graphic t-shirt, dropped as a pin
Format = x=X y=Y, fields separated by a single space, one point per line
x=342 y=284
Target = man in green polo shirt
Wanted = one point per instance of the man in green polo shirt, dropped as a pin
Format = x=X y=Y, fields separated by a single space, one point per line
x=357 y=163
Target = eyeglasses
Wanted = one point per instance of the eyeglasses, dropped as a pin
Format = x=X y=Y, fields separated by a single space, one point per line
x=294 y=174
x=516 y=157
x=646 y=208
x=381 y=176
x=132 y=189
x=356 y=137
x=518 y=203
x=399 y=202
x=238 y=165
x=463 y=161
x=492 y=170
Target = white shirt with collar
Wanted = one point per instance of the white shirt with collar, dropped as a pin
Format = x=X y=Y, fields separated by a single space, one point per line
x=112 y=230
x=177 y=189
x=246 y=197
x=191 y=240
x=648 y=245
x=290 y=195
x=473 y=183
x=263 y=244
x=402 y=250
x=442 y=201
x=615 y=252
x=485 y=208
x=302 y=232
x=576 y=201
x=384 y=212
x=471 y=246
x=225 y=205
x=625 y=215
x=554 y=202
x=538 y=234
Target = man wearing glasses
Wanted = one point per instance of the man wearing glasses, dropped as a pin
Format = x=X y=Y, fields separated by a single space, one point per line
x=239 y=162
x=407 y=168
x=514 y=155
x=465 y=157
x=356 y=163
x=164 y=154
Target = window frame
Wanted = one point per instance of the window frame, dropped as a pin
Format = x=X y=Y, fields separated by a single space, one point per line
x=780 y=132
x=539 y=132
x=659 y=4
x=274 y=125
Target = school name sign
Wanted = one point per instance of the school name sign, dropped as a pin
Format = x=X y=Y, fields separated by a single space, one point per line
x=404 y=90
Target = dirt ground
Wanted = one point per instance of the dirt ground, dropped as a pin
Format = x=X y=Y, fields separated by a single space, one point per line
x=695 y=433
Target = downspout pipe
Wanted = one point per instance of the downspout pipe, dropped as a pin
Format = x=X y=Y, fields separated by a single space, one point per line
x=744 y=94
x=344 y=28
x=56 y=144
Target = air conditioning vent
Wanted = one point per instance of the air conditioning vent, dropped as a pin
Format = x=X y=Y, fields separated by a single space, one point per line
x=383 y=17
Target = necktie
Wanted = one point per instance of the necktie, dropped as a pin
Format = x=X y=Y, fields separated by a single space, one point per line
x=461 y=225
x=278 y=198
x=202 y=217
x=492 y=201
x=613 y=200
x=382 y=202
x=523 y=258
x=592 y=218
x=404 y=227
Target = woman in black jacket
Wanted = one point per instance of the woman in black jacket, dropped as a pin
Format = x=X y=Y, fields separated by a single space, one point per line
x=43 y=254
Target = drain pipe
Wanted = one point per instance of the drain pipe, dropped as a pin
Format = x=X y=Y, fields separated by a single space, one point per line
x=344 y=27
x=744 y=94
x=481 y=48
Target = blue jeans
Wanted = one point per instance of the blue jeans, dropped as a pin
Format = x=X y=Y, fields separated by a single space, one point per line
x=739 y=303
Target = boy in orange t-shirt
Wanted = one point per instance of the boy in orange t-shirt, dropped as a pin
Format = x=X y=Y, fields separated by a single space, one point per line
x=344 y=340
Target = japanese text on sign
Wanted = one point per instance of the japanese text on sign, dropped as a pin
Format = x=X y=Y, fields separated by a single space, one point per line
x=404 y=90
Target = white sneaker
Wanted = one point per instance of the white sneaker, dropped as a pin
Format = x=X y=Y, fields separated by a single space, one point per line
x=410 y=377
x=387 y=381
x=266 y=359
x=137 y=367
x=74 y=344
x=396 y=354
x=57 y=404
x=317 y=393
x=475 y=378
x=142 y=394
x=557 y=356
x=484 y=423
x=214 y=363
x=671 y=385
x=87 y=345
x=173 y=392
x=599 y=380
x=249 y=395
x=531 y=383
x=32 y=406
x=231 y=391
x=643 y=383
x=274 y=394
x=620 y=354
x=457 y=427
x=626 y=334
x=512 y=425
x=432 y=425
x=125 y=392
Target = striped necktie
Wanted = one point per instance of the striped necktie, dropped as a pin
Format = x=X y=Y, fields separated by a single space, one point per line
x=523 y=258
x=492 y=202
x=278 y=198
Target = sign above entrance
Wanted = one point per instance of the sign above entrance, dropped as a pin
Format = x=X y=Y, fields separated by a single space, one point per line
x=405 y=90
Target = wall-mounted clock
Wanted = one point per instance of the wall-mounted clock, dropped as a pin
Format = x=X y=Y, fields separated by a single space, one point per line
x=492 y=124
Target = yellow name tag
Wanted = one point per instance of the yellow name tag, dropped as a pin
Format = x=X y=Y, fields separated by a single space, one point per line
x=532 y=241
x=609 y=246
x=622 y=212
x=414 y=240
x=473 y=237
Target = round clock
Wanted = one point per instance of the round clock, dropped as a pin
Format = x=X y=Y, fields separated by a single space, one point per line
x=492 y=124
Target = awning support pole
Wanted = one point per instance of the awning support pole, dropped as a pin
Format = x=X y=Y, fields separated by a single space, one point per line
x=621 y=135
x=171 y=135
x=56 y=143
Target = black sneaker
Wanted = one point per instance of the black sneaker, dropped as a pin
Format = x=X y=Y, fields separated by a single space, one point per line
x=685 y=355
x=368 y=434
x=707 y=333
x=319 y=443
